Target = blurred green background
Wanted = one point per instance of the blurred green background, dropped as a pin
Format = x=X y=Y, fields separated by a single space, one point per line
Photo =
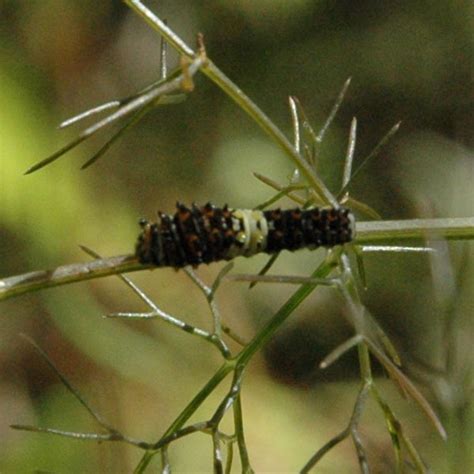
x=410 y=61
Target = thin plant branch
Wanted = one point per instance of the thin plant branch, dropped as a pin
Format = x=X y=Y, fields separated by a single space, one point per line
x=362 y=207
x=183 y=83
x=217 y=454
x=334 y=110
x=65 y=274
x=296 y=124
x=213 y=423
x=134 y=119
x=234 y=336
x=160 y=25
x=97 y=417
x=113 y=104
x=158 y=313
x=231 y=396
x=398 y=436
x=316 y=139
x=112 y=436
x=366 y=323
x=202 y=426
x=165 y=462
x=352 y=426
x=346 y=177
x=112 y=433
x=407 y=387
x=395 y=249
x=311 y=151
x=340 y=350
x=360 y=450
x=450 y=228
x=285 y=279
x=229 y=458
x=265 y=268
x=371 y=155
x=209 y=293
x=178 y=323
x=163 y=57
x=360 y=265
x=285 y=190
x=175 y=98
x=239 y=431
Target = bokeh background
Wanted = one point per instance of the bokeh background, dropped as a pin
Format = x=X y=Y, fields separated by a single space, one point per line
x=410 y=61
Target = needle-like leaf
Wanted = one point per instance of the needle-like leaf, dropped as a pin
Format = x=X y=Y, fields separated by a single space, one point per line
x=371 y=155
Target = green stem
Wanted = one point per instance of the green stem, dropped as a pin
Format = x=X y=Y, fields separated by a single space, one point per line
x=38 y=280
x=239 y=430
x=452 y=228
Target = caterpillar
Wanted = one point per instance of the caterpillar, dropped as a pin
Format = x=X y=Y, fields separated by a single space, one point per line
x=208 y=234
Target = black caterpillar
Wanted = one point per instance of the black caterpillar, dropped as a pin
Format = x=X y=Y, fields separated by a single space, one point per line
x=208 y=234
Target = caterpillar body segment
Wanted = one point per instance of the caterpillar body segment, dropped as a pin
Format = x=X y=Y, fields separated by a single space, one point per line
x=208 y=234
